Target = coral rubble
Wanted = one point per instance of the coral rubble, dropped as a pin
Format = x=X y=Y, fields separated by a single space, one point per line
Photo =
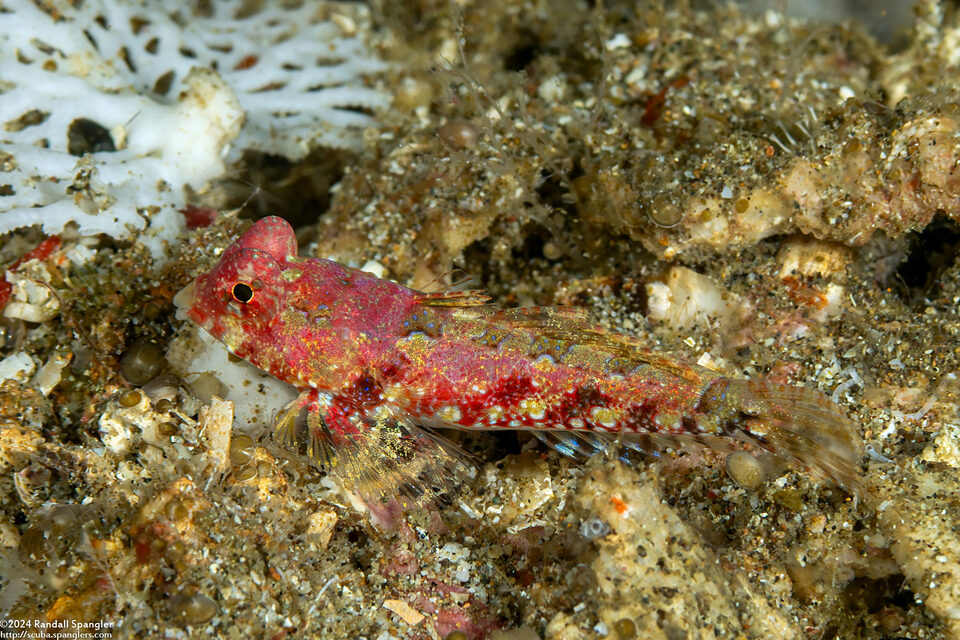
x=766 y=195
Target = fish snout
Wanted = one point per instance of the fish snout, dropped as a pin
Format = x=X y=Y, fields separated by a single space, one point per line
x=185 y=299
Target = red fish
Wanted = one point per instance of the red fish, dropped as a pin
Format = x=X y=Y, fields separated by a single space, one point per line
x=379 y=366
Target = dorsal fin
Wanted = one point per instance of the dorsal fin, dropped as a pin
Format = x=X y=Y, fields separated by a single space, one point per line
x=567 y=318
x=469 y=298
x=574 y=325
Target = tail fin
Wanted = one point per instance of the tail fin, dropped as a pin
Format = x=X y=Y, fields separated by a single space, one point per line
x=802 y=425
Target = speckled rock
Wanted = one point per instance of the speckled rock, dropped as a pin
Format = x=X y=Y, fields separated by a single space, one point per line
x=919 y=513
x=655 y=570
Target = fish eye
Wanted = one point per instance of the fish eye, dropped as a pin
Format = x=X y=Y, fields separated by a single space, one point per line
x=242 y=292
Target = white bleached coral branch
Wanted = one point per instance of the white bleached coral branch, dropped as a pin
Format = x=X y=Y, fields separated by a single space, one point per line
x=162 y=94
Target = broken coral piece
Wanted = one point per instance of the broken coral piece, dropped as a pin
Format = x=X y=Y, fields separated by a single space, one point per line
x=112 y=108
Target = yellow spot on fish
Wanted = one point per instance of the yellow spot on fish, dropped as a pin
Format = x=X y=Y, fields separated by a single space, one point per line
x=534 y=408
x=544 y=363
x=605 y=417
x=289 y=275
x=450 y=413
x=494 y=414
x=668 y=422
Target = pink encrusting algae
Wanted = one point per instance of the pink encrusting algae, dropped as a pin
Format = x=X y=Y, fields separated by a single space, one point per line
x=380 y=365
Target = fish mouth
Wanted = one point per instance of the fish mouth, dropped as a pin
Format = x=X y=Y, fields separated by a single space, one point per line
x=185 y=299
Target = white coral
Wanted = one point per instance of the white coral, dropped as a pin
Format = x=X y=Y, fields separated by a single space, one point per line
x=165 y=92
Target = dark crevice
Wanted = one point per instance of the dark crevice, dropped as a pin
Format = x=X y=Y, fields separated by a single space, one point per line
x=162 y=86
x=554 y=192
x=932 y=251
x=301 y=190
x=478 y=256
x=523 y=53
x=87 y=136
x=532 y=247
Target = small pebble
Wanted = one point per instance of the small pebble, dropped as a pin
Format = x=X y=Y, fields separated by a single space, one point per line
x=192 y=610
x=625 y=628
x=167 y=429
x=816 y=523
x=664 y=211
x=852 y=147
x=745 y=470
x=245 y=473
x=141 y=362
x=87 y=136
x=411 y=93
x=163 y=387
x=790 y=499
x=176 y=510
x=205 y=386
x=594 y=528
x=551 y=250
x=129 y=398
x=456 y=635
x=175 y=550
x=459 y=134
x=241 y=449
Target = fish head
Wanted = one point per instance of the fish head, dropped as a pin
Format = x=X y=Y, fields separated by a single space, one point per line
x=237 y=301
x=273 y=235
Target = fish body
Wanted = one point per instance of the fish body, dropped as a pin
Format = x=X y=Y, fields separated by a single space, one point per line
x=374 y=361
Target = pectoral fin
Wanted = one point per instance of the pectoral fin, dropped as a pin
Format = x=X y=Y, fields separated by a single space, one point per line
x=377 y=453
